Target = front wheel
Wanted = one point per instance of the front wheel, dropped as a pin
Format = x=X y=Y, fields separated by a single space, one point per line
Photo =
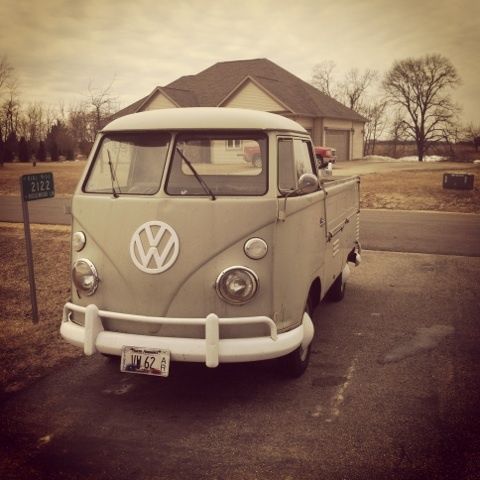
x=295 y=363
x=110 y=357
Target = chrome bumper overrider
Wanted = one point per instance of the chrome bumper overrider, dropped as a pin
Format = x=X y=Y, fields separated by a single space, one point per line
x=212 y=349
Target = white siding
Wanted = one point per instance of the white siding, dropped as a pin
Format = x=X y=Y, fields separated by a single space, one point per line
x=251 y=96
x=221 y=154
x=159 y=101
x=317 y=132
x=306 y=122
x=357 y=140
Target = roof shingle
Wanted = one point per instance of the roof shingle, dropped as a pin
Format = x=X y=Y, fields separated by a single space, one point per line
x=212 y=85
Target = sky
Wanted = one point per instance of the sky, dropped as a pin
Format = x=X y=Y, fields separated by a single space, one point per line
x=59 y=48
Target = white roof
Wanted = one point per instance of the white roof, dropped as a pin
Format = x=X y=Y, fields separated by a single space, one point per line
x=204 y=118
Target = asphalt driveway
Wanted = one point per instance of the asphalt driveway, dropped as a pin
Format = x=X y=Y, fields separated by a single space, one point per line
x=392 y=392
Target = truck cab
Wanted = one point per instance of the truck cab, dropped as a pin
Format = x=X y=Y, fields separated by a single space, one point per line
x=184 y=251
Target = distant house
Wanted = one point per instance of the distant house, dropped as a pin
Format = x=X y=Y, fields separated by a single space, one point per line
x=262 y=85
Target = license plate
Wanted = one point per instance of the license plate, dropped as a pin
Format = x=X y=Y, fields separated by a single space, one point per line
x=146 y=361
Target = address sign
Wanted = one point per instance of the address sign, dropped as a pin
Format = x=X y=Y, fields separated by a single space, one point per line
x=37 y=185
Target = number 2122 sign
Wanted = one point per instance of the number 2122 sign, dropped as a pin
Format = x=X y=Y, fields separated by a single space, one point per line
x=37 y=185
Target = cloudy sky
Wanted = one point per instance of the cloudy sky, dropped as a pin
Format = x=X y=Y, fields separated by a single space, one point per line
x=59 y=47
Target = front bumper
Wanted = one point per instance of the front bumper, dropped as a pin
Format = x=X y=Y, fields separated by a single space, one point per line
x=211 y=349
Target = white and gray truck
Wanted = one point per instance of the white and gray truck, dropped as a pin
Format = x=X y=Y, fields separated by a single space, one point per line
x=185 y=251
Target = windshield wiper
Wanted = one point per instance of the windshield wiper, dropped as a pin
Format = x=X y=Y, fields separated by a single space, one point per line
x=200 y=180
x=112 y=176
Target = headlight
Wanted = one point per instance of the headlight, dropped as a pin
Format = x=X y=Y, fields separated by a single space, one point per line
x=78 y=241
x=84 y=275
x=255 y=248
x=237 y=285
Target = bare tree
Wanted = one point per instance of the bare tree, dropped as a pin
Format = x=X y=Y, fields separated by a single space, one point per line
x=471 y=133
x=353 y=89
x=80 y=125
x=10 y=114
x=374 y=128
x=6 y=72
x=8 y=107
x=86 y=118
x=323 y=78
x=102 y=105
x=397 y=131
x=420 y=87
x=59 y=141
x=50 y=118
x=31 y=121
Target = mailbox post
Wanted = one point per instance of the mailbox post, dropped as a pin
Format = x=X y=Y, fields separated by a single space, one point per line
x=33 y=187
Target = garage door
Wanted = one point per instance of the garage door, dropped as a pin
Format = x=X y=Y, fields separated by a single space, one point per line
x=339 y=139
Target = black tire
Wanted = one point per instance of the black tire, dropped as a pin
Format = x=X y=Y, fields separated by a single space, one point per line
x=110 y=357
x=295 y=363
x=337 y=290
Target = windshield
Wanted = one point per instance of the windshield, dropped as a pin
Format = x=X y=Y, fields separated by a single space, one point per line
x=128 y=163
x=228 y=164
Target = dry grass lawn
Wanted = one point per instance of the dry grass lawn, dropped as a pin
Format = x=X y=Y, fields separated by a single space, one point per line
x=419 y=190
x=29 y=351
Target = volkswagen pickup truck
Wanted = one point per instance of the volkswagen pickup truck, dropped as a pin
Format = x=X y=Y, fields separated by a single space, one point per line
x=184 y=252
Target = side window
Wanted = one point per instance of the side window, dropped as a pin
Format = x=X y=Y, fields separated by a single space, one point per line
x=295 y=158
x=303 y=158
x=286 y=165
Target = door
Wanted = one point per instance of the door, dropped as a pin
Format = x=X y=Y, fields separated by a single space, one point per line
x=299 y=235
x=340 y=140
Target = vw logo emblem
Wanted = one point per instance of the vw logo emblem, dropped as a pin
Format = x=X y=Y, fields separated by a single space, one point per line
x=154 y=247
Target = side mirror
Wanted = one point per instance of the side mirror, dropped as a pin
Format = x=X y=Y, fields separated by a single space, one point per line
x=308 y=183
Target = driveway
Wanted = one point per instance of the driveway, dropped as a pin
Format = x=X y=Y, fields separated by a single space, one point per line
x=392 y=392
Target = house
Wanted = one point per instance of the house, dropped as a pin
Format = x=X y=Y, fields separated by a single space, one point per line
x=262 y=85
